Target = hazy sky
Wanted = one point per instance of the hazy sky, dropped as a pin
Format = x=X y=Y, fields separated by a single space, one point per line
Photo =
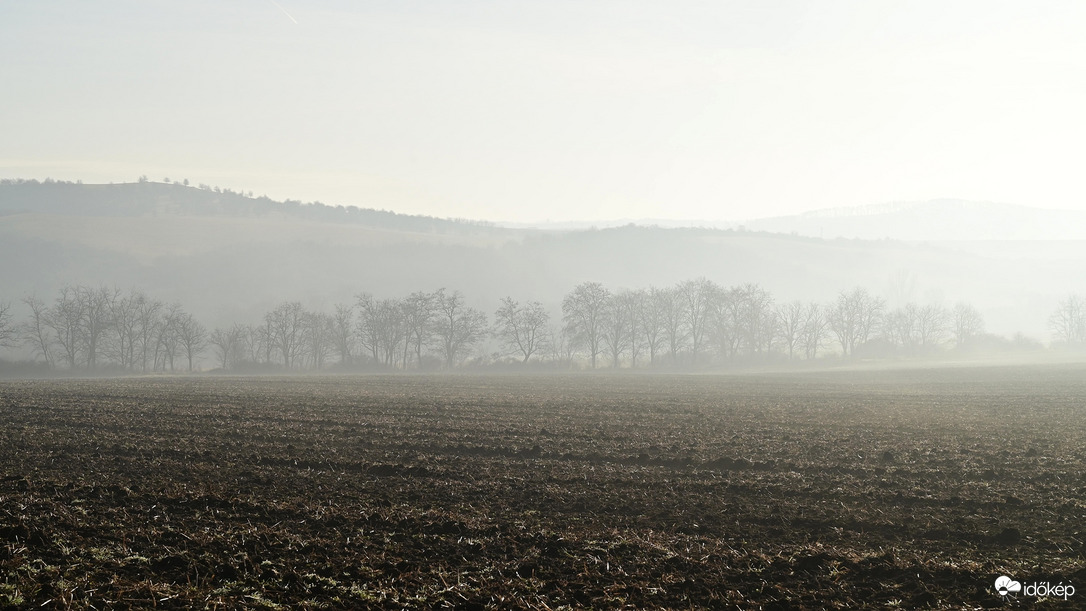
x=555 y=109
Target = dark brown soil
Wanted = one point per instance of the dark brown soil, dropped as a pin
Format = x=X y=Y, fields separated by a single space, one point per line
x=906 y=489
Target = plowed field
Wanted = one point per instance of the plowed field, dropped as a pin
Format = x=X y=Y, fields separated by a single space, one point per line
x=804 y=491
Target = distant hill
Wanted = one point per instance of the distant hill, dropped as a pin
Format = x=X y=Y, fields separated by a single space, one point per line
x=935 y=220
x=230 y=257
x=147 y=198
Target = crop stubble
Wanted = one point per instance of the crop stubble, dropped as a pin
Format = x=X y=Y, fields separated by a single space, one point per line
x=819 y=490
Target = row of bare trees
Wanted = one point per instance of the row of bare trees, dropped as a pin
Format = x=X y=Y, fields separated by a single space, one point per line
x=686 y=323
x=696 y=320
x=692 y=323
x=388 y=333
x=85 y=327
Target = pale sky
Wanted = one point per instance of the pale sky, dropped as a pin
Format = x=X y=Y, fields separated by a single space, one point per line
x=554 y=109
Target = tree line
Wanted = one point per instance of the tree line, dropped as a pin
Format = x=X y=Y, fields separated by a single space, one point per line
x=698 y=322
x=695 y=323
x=92 y=328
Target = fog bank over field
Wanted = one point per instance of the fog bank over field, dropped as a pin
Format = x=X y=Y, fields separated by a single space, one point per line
x=229 y=257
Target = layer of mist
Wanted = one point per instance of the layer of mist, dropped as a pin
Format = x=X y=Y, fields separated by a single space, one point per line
x=230 y=258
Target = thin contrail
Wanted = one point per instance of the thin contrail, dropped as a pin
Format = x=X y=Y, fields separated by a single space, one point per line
x=284 y=11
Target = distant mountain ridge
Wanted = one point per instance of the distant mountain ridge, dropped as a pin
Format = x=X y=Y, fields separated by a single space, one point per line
x=933 y=205
x=940 y=220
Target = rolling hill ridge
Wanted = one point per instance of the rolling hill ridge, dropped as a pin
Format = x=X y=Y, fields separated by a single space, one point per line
x=231 y=257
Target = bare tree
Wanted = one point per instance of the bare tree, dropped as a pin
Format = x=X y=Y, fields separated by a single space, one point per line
x=456 y=326
x=583 y=311
x=562 y=349
x=1068 y=322
x=97 y=308
x=191 y=335
x=369 y=325
x=815 y=330
x=522 y=330
x=899 y=326
x=286 y=325
x=727 y=323
x=790 y=318
x=121 y=344
x=266 y=341
x=319 y=338
x=343 y=332
x=252 y=343
x=616 y=332
x=167 y=342
x=65 y=319
x=651 y=320
x=7 y=329
x=125 y=315
x=968 y=324
x=393 y=332
x=227 y=344
x=381 y=328
x=418 y=317
x=148 y=320
x=931 y=325
x=627 y=305
x=854 y=317
x=698 y=298
x=757 y=322
x=671 y=310
x=35 y=331
x=870 y=309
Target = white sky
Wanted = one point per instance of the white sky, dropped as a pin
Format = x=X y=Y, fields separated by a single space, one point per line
x=556 y=109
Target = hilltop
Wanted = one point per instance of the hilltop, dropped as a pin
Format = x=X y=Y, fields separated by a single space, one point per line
x=146 y=198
